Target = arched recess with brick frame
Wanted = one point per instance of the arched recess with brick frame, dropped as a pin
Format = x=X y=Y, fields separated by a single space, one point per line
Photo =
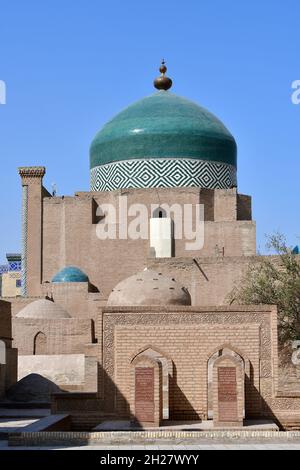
x=167 y=373
x=223 y=351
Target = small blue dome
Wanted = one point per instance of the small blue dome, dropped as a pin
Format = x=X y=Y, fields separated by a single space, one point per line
x=70 y=274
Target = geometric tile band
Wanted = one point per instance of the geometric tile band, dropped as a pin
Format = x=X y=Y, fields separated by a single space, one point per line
x=4 y=268
x=162 y=173
x=24 y=240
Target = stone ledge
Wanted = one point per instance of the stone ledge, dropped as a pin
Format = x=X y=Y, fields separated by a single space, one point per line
x=48 y=423
x=212 y=309
x=287 y=394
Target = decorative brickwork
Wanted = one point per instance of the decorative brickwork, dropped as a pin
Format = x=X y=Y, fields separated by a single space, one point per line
x=188 y=336
x=144 y=394
x=227 y=394
x=32 y=171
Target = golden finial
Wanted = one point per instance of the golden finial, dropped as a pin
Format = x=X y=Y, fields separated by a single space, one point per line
x=163 y=82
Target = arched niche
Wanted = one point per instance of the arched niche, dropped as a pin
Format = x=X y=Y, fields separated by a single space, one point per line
x=40 y=344
x=163 y=372
x=222 y=351
x=228 y=391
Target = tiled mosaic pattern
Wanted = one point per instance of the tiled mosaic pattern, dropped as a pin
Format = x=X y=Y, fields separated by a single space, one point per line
x=4 y=268
x=24 y=239
x=14 y=267
x=162 y=173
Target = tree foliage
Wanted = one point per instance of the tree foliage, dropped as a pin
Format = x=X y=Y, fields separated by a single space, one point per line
x=274 y=280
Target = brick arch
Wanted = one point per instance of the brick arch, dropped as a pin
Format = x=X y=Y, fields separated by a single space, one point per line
x=166 y=365
x=231 y=348
x=144 y=350
x=40 y=344
x=214 y=356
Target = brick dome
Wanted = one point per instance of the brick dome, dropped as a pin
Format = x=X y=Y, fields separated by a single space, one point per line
x=43 y=309
x=149 y=288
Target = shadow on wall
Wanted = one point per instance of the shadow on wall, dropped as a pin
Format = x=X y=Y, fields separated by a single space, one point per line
x=88 y=410
x=256 y=406
x=185 y=410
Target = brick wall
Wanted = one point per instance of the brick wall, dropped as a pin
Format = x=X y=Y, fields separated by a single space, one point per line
x=209 y=280
x=63 y=336
x=69 y=232
x=188 y=336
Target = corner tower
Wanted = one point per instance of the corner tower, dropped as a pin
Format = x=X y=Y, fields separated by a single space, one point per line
x=32 y=228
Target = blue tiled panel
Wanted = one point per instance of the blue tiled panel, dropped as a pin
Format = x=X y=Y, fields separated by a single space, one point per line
x=15 y=266
x=4 y=268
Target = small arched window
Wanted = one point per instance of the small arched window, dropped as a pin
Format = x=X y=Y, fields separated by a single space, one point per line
x=159 y=213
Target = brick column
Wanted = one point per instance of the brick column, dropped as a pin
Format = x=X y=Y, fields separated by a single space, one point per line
x=32 y=213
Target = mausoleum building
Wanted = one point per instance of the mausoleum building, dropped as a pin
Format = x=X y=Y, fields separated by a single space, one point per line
x=124 y=301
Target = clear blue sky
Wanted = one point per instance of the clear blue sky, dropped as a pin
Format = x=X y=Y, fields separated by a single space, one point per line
x=71 y=65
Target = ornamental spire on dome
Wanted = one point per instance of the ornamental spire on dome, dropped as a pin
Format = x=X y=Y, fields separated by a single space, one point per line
x=163 y=82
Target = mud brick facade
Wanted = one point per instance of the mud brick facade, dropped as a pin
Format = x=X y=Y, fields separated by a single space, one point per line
x=190 y=337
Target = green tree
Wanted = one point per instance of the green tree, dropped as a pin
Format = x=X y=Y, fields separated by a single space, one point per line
x=274 y=280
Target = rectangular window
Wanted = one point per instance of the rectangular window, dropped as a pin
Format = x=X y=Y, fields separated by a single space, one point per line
x=18 y=283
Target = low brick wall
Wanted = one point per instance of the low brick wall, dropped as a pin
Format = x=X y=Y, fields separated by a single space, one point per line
x=142 y=437
x=84 y=409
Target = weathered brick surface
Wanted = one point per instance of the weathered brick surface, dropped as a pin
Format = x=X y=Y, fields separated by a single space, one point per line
x=69 y=232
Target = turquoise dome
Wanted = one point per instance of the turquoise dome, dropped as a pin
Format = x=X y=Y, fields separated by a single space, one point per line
x=163 y=141
x=70 y=274
x=163 y=125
